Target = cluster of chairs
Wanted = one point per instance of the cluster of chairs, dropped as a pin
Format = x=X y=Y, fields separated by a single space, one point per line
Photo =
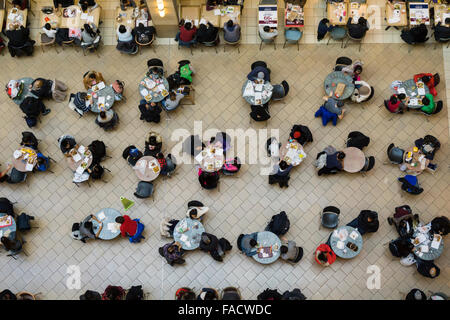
x=228 y=293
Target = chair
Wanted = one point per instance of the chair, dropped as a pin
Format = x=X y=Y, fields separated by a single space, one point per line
x=190 y=96
x=439 y=106
x=69 y=43
x=292 y=35
x=354 y=39
x=280 y=91
x=369 y=164
x=46 y=41
x=342 y=62
x=16 y=176
x=140 y=45
x=213 y=43
x=144 y=190
x=23 y=295
x=395 y=155
x=338 y=34
x=330 y=217
x=231 y=293
x=236 y=43
x=267 y=42
x=185 y=44
x=258 y=64
x=94 y=46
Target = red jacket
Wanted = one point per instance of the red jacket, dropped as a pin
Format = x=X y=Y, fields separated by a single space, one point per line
x=325 y=248
x=128 y=226
x=430 y=84
x=187 y=35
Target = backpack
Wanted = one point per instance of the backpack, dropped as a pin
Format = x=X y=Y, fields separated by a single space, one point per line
x=23 y=222
x=295 y=294
x=279 y=224
x=135 y=293
x=31 y=121
x=6 y=206
x=269 y=295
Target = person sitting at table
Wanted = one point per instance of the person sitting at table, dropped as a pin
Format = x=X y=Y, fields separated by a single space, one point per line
x=216 y=247
x=131 y=228
x=442 y=31
x=267 y=33
x=427 y=268
x=187 y=32
x=429 y=80
x=260 y=113
x=186 y=71
x=19 y=40
x=333 y=162
x=92 y=78
x=144 y=34
x=172 y=101
x=208 y=294
x=66 y=143
x=428 y=145
x=7 y=295
x=428 y=104
x=281 y=174
x=4 y=174
x=166 y=164
x=125 y=40
x=259 y=73
x=334 y=106
x=173 y=252
x=62 y=3
x=185 y=294
x=42 y=162
x=44 y=88
x=132 y=155
x=398 y=103
x=107 y=119
x=440 y=225
x=212 y=4
x=91 y=295
x=89 y=34
x=206 y=33
x=196 y=210
x=153 y=144
x=11 y=245
x=357 y=30
x=324 y=255
x=29 y=140
x=80 y=103
x=193 y=145
x=367 y=221
x=87 y=228
x=208 y=180
x=354 y=70
x=327 y=115
x=247 y=244
x=289 y=251
x=113 y=293
x=48 y=31
x=231 y=31
x=301 y=134
x=417 y=34
x=32 y=108
x=124 y=4
x=150 y=111
x=118 y=87
x=401 y=247
x=87 y=5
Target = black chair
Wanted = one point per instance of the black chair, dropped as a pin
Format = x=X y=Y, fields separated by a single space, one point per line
x=341 y=62
x=155 y=62
x=258 y=64
x=330 y=217
x=370 y=163
x=144 y=190
x=439 y=106
x=395 y=154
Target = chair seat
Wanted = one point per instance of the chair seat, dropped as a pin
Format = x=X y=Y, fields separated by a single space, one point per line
x=46 y=40
x=338 y=33
x=330 y=220
x=293 y=35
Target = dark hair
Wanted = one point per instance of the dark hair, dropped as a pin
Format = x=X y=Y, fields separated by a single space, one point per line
x=193 y=213
x=202 y=28
x=89 y=30
x=122 y=29
x=84 y=6
x=17 y=2
x=188 y=26
x=393 y=99
x=102 y=114
x=48 y=26
x=283 y=249
x=266 y=28
x=322 y=257
x=358 y=68
x=159 y=155
x=426 y=79
x=209 y=295
x=447 y=20
x=340 y=103
x=362 y=21
x=230 y=23
x=253 y=242
x=120 y=219
x=152 y=140
x=283 y=165
x=88 y=224
x=340 y=155
x=401 y=96
x=426 y=101
x=92 y=75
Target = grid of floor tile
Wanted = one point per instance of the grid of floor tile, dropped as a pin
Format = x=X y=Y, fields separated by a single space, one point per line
x=246 y=202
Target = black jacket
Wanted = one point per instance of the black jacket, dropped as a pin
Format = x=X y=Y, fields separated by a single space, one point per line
x=419 y=33
x=441 y=32
x=145 y=34
x=18 y=38
x=63 y=3
x=151 y=114
x=6 y=206
x=207 y=35
x=45 y=91
x=357 y=30
x=32 y=107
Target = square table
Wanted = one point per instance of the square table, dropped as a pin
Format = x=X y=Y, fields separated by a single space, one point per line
x=235 y=15
x=293 y=16
x=190 y=13
x=357 y=10
x=441 y=12
x=419 y=12
x=396 y=15
x=24 y=14
x=210 y=16
x=337 y=13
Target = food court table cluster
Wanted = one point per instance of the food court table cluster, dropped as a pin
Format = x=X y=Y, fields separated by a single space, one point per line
x=71 y=17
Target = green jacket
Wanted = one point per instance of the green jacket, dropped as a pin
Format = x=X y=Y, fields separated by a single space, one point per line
x=185 y=72
x=429 y=108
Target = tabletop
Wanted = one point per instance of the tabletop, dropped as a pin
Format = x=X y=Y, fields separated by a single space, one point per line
x=441 y=11
x=8 y=231
x=53 y=18
x=126 y=18
x=110 y=229
x=354 y=160
x=23 y=13
x=293 y=16
x=147 y=168
x=423 y=249
x=233 y=14
x=343 y=236
x=211 y=159
x=79 y=19
x=268 y=244
x=190 y=13
x=337 y=13
x=417 y=164
x=210 y=16
x=292 y=152
x=107 y=93
x=357 y=10
x=419 y=13
x=397 y=16
x=25 y=91
x=2 y=16
x=27 y=164
x=85 y=158
x=154 y=88
x=411 y=89
x=188 y=232
x=335 y=77
x=265 y=95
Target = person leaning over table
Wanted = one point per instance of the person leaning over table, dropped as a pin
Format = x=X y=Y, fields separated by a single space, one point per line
x=398 y=103
x=62 y=3
x=92 y=78
x=268 y=33
x=131 y=228
x=367 y=221
x=87 y=228
x=67 y=143
x=334 y=106
x=428 y=104
x=231 y=31
x=324 y=255
x=207 y=33
x=89 y=33
x=441 y=31
x=247 y=243
x=357 y=30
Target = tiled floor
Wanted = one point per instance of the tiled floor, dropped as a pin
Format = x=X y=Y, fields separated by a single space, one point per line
x=246 y=202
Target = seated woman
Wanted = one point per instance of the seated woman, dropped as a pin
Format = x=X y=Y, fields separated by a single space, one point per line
x=66 y=143
x=166 y=164
x=43 y=88
x=440 y=225
x=144 y=34
x=132 y=155
x=333 y=163
x=131 y=228
x=153 y=144
x=172 y=101
x=150 y=111
x=231 y=31
x=354 y=70
x=247 y=243
x=324 y=255
x=186 y=71
x=367 y=221
x=397 y=103
x=118 y=87
x=107 y=119
x=89 y=35
x=357 y=30
x=259 y=73
x=281 y=174
x=173 y=252
x=216 y=248
x=92 y=78
x=186 y=35
x=80 y=103
x=428 y=104
x=125 y=40
x=289 y=251
x=207 y=33
x=196 y=210
x=428 y=79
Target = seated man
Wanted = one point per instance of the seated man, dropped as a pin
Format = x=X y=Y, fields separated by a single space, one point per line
x=87 y=229
x=92 y=78
x=29 y=140
x=357 y=30
x=187 y=32
x=428 y=104
x=131 y=228
x=150 y=111
x=397 y=103
x=260 y=113
x=80 y=103
x=281 y=174
x=48 y=31
x=324 y=255
x=247 y=243
x=367 y=221
x=428 y=79
x=216 y=248
x=44 y=88
x=107 y=119
x=19 y=38
x=125 y=40
x=334 y=106
x=172 y=101
x=442 y=31
x=124 y=4
x=153 y=144
x=333 y=163
x=207 y=33
x=301 y=134
x=62 y=3
x=173 y=252
x=267 y=33
x=144 y=34
x=132 y=155
x=166 y=164
x=289 y=251
x=231 y=31
x=419 y=33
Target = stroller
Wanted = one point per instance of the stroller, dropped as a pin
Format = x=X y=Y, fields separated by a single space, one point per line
x=404 y=221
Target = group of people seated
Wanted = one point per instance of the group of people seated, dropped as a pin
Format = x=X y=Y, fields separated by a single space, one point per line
x=129 y=39
x=115 y=293
x=419 y=34
x=406 y=223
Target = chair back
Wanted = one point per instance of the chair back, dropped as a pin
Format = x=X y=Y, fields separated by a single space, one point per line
x=439 y=107
x=369 y=164
x=436 y=77
x=330 y=217
x=23 y=295
x=213 y=43
x=231 y=293
x=395 y=155
x=258 y=64
x=144 y=190
x=285 y=86
x=278 y=92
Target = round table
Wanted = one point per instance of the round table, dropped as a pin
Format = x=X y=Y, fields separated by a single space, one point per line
x=264 y=98
x=211 y=161
x=339 y=77
x=294 y=152
x=73 y=165
x=189 y=239
x=111 y=229
x=268 y=241
x=154 y=94
x=354 y=160
x=108 y=93
x=142 y=170
x=420 y=165
x=21 y=164
x=432 y=253
x=411 y=90
x=26 y=90
x=346 y=252
x=9 y=231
